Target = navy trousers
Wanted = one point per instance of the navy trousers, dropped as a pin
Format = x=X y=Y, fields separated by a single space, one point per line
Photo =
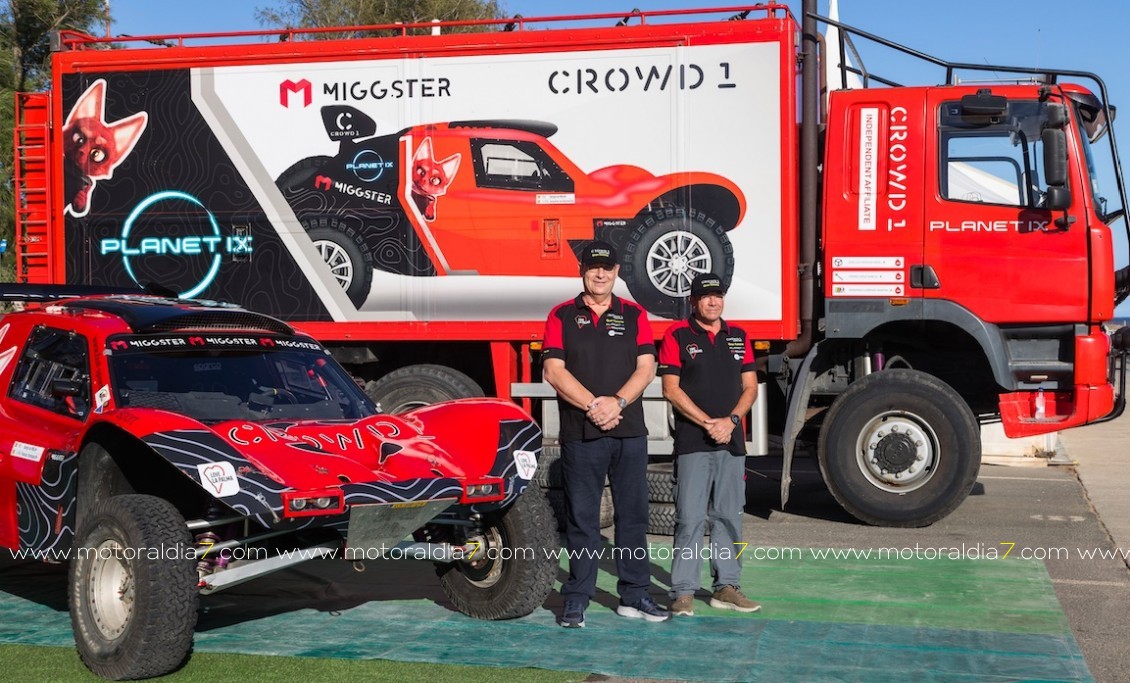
x=584 y=466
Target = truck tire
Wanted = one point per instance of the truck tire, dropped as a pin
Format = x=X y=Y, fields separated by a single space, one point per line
x=556 y=499
x=661 y=482
x=415 y=386
x=661 y=518
x=666 y=251
x=133 y=616
x=900 y=448
x=548 y=474
x=511 y=574
x=343 y=250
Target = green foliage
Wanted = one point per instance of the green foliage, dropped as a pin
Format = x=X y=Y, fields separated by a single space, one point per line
x=330 y=13
x=25 y=65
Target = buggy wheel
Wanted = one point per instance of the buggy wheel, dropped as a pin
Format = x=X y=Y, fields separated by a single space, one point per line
x=509 y=574
x=133 y=613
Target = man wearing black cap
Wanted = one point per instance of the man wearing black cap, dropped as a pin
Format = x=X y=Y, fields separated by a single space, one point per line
x=709 y=377
x=599 y=355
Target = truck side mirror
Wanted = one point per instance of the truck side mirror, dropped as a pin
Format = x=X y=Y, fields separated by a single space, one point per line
x=1055 y=156
x=1057 y=198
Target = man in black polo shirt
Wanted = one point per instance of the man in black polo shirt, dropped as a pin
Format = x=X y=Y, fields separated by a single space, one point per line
x=709 y=377
x=599 y=355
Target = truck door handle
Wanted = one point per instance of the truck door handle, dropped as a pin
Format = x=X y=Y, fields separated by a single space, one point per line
x=924 y=277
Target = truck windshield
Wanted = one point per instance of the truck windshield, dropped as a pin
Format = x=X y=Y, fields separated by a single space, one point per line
x=212 y=378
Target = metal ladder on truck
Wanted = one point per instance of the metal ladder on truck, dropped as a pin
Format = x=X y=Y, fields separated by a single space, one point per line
x=32 y=145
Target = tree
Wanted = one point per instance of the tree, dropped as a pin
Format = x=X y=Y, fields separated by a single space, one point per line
x=25 y=65
x=329 y=13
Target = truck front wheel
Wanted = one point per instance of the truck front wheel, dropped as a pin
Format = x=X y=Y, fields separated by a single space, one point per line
x=416 y=386
x=666 y=251
x=900 y=448
x=510 y=564
x=133 y=613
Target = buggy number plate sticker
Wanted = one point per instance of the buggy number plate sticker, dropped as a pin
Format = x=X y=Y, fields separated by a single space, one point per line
x=27 y=451
x=526 y=463
x=219 y=479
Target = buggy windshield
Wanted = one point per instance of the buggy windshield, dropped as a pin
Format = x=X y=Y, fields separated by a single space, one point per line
x=212 y=378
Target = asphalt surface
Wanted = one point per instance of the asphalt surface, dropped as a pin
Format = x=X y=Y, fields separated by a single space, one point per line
x=1044 y=513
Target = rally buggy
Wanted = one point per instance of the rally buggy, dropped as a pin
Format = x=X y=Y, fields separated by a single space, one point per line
x=148 y=438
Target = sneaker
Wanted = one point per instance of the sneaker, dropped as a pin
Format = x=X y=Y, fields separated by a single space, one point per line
x=683 y=606
x=573 y=616
x=644 y=608
x=729 y=597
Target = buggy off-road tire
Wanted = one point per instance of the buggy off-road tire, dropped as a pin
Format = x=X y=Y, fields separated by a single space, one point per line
x=133 y=614
x=665 y=252
x=343 y=249
x=556 y=499
x=513 y=569
x=415 y=386
x=900 y=448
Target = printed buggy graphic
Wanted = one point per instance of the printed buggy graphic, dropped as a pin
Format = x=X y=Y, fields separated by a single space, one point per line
x=496 y=197
x=239 y=448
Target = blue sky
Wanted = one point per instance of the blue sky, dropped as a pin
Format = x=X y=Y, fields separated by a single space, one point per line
x=1085 y=35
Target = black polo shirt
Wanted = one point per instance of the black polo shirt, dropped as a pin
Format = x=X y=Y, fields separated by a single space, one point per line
x=601 y=353
x=710 y=368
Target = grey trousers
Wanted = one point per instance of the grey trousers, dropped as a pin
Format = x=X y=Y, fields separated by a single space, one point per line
x=707 y=485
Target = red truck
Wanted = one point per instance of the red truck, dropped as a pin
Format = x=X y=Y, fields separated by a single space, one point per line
x=915 y=261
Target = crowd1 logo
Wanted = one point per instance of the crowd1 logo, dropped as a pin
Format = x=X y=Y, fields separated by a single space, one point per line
x=211 y=245
x=302 y=87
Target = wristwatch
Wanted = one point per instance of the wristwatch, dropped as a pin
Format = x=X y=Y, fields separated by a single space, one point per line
x=735 y=419
x=621 y=401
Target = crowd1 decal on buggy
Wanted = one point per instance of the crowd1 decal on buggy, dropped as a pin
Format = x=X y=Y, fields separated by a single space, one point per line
x=155 y=210
x=93 y=148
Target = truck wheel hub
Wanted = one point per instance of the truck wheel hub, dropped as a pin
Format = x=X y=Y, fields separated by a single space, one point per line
x=897 y=451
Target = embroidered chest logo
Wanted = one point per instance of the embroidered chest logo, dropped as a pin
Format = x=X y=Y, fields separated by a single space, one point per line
x=581 y=321
x=736 y=345
x=693 y=350
x=614 y=323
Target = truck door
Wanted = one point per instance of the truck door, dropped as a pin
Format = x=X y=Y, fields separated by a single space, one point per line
x=873 y=197
x=992 y=243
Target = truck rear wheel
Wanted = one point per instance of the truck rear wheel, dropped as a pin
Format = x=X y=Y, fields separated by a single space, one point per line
x=900 y=448
x=343 y=250
x=510 y=573
x=415 y=386
x=133 y=614
x=666 y=251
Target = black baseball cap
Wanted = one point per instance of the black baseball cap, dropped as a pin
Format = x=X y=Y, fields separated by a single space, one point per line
x=598 y=253
x=707 y=283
